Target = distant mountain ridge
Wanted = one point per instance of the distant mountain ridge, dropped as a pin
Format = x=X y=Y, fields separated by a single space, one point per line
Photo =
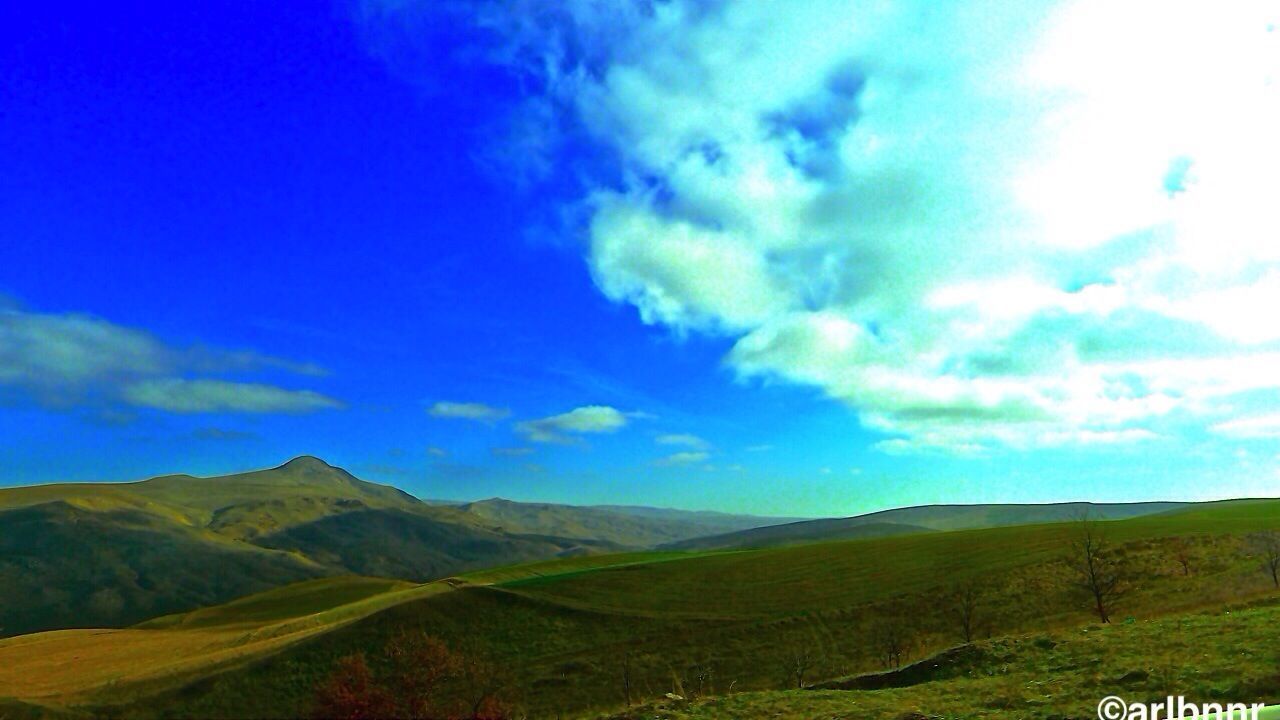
x=922 y=518
x=640 y=527
x=111 y=554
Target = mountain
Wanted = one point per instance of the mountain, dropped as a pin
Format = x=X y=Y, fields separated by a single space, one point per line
x=62 y=565
x=111 y=554
x=637 y=527
x=558 y=635
x=924 y=518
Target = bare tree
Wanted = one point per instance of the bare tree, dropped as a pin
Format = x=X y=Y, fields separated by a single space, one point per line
x=702 y=673
x=892 y=641
x=1182 y=554
x=797 y=662
x=1266 y=544
x=1095 y=569
x=966 y=603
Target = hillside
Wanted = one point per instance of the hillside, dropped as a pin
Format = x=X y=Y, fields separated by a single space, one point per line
x=925 y=518
x=713 y=622
x=66 y=566
x=112 y=554
x=637 y=527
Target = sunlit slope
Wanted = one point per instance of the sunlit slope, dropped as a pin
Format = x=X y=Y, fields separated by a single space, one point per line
x=291 y=601
x=65 y=667
x=1220 y=656
x=924 y=518
x=562 y=627
x=781 y=581
x=109 y=555
x=70 y=667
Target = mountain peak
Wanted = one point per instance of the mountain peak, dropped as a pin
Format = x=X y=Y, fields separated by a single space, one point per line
x=305 y=463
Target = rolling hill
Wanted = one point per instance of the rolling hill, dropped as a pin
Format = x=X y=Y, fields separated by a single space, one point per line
x=638 y=527
x=708 y=624
x=924 y=518
x=112 y=554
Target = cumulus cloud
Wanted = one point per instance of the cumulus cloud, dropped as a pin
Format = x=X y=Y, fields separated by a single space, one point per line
x=204 y=396
x=685 y=439
x=477 y=412
x=589 y=419
x=69 y=359
x=683 y=458
x=981 y=225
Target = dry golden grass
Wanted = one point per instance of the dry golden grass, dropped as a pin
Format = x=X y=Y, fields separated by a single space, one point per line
x=65 y=667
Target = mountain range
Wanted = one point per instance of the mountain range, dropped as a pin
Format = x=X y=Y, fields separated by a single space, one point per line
x=113 y=554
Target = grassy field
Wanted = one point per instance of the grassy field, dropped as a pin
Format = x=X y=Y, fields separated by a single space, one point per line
x=1227 y=655
x=725 y=624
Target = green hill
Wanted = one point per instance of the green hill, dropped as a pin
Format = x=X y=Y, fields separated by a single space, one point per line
x=113 y=554
x=703 y=625
x=924 y=518
x=401 y=544
x=64 y=566
x=636 y=527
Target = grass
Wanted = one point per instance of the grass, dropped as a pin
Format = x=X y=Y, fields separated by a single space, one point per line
x=725 y=621
x=1224 y=656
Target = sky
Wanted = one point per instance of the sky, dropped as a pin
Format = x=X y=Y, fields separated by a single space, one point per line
x=801 y=259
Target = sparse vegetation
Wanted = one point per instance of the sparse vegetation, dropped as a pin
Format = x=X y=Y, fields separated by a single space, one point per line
x=1096 y=569
x=967 y=605
x=420 y=678
x=1266 y=543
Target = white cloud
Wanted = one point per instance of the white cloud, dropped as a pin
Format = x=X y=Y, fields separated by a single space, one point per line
x=683 y=458
x=589 y=419
x=685 y=439
x=1260 y=426
x=206 y=396
x=437 y=452
x=478 y=412
x=71 y=359
x=981 y=225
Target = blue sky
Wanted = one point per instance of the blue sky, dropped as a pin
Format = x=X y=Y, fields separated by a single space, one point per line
x=679 y=254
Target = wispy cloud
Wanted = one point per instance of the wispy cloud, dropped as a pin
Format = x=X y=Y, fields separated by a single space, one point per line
x=590 y=419
x=474 y=411
x=207 y=396
x=1252 y=427
x=64 y=360
x=683 y=439
x=683 y=458
x=437 y=452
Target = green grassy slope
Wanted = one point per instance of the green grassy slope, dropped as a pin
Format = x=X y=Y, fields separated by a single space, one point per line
x=291 y=601
x=1220 y=656
x=400 y=544
x=733 y=620
x=923 y=518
